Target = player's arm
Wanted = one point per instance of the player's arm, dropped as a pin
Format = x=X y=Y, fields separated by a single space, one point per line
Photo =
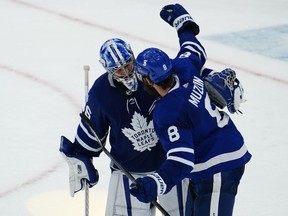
x=224 y=88
x=177 y=16
x=79 y=154
x=85 y=141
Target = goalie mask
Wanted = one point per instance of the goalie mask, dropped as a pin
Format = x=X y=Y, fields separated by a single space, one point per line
x=117 y=58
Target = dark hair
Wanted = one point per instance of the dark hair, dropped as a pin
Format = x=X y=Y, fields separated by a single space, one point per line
x=166 y=83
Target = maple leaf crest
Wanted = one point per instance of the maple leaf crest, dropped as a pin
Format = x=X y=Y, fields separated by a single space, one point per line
x=142 y=134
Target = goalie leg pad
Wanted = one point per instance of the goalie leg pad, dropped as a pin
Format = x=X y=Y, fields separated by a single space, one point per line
x=120 y=201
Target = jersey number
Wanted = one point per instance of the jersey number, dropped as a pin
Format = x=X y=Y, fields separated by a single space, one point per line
x=221 y=120
x=87 y=112
x=173 y=133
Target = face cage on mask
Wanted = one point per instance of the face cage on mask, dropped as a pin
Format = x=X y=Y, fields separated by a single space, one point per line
x=130 y=82
x=128 y=79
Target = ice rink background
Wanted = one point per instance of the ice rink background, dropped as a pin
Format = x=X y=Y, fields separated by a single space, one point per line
x=43 y=47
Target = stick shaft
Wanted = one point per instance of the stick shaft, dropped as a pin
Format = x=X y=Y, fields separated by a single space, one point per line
x=86 y=199
x=123 y=169
x=86 y=70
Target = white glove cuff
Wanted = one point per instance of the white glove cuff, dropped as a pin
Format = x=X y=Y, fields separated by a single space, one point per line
x=161 y=186
x=238 y=96
x=77 y=173
x=179 y=21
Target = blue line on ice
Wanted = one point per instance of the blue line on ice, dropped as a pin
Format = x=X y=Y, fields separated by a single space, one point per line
x=270 y=42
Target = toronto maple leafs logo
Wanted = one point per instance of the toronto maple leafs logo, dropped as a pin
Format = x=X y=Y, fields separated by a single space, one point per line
x=142 y=135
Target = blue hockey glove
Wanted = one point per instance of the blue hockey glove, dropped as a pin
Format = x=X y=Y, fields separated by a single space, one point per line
x=147 y=188
x=81 y=167
x=179 y=18
x=224 y=89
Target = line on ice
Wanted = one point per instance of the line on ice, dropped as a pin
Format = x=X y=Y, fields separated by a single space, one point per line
x=269 y=41
x=31 y=181
x=54 y=167
x=104 y=28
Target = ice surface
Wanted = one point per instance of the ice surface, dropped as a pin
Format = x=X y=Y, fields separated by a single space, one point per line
x=43 y=47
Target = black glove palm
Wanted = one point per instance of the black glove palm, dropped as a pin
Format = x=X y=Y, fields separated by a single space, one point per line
x=178 y=18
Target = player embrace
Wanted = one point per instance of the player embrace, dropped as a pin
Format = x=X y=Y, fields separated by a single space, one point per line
x=121 y=111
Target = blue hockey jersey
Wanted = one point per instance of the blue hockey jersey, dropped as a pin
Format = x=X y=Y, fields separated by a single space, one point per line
x=126 y=117
x=199 y=139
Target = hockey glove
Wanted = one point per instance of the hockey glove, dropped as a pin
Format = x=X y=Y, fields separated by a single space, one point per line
x=147 y=188
x=80 y=167
x=178 y=18
x=224 y=89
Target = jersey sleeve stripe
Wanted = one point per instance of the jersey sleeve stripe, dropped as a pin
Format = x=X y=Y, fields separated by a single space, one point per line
x=86 y=132
x=91 y=136
x=84 y=145
x=194 y=51
x=180 y=149
x=194 y=47
x=221 y=159
x=181 y=160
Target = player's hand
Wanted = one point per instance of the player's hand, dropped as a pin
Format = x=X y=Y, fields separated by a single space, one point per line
x=81 y=167
x=145 y=190
x=179 y=18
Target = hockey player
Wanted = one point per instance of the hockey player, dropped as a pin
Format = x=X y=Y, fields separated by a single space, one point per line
x=201 y=142
x=117 y=105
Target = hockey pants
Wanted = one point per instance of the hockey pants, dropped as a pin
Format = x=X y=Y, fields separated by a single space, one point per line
x=215 y=195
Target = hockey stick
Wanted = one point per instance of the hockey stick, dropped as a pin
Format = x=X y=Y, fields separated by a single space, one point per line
x=86 y=70
x=127 y=173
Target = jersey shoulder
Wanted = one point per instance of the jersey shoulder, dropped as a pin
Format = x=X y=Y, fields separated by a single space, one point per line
x=101 y=82
x=101 y=95
x=170 y=108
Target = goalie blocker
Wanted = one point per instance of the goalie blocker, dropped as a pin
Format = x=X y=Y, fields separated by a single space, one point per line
x=81 y=167
x=224 y=89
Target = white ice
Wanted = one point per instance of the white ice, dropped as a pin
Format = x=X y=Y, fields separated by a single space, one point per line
x=43 y=47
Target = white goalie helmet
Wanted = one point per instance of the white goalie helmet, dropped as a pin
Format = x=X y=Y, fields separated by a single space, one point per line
x=117 y=58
